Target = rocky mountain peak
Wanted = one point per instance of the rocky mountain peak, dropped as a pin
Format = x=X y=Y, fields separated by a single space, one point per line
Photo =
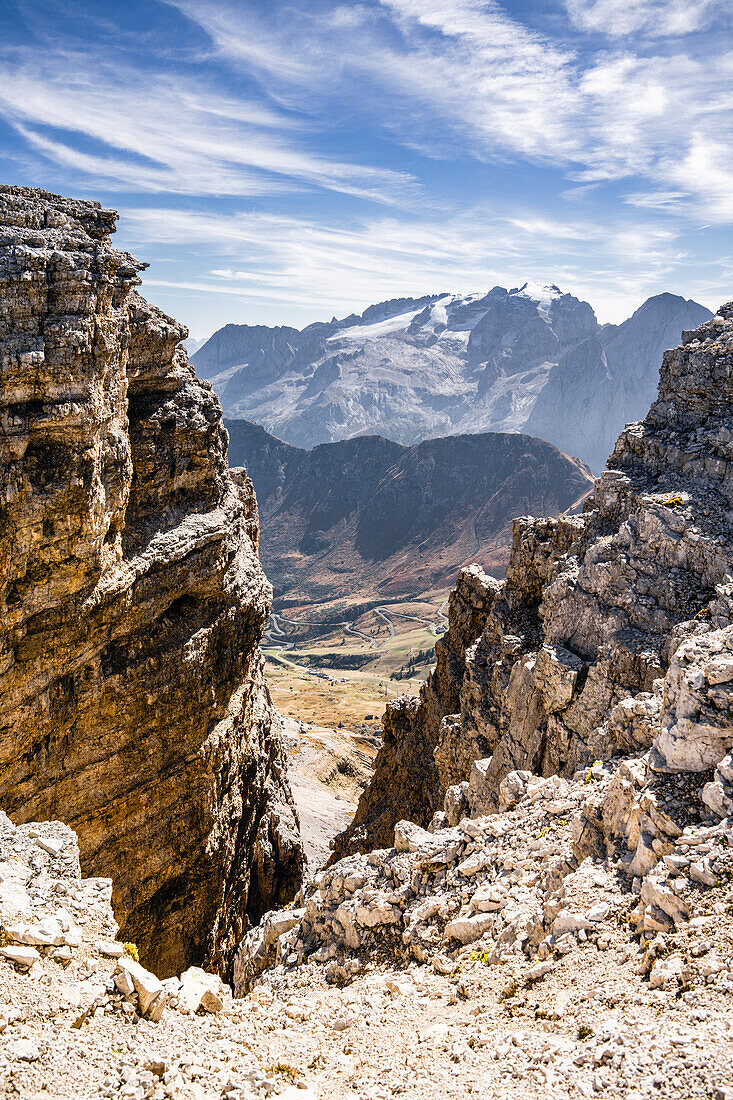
x=556 y=918
x=527 y=359
x=550 y=823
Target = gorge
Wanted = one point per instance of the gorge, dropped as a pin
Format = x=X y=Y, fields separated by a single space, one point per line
x=535 y=896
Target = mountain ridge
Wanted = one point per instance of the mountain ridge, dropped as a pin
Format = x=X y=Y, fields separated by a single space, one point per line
x=530 y=359
x=368 y=514
x=592 y=647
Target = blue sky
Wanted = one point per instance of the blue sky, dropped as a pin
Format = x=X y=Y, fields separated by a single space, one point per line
x=280 y=161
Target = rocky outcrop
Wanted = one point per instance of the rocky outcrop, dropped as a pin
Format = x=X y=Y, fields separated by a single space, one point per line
x=132 y=601
x=606 y=656
x=530 y=972
x=517 y=892
x=367 y=517
x=586 y=741
x=530 y=359
x=410 y=771
x=568 y=661
x=610 y=378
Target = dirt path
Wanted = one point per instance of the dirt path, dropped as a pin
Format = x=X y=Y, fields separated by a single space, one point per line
x=327 y=769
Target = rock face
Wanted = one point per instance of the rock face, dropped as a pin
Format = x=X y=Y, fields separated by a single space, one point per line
x=564 y=663
x=369 y=516
x=609 y=379
x=530 y=359
x=132 y=601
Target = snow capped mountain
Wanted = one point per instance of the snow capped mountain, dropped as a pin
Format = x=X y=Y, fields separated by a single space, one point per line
x=526 y=359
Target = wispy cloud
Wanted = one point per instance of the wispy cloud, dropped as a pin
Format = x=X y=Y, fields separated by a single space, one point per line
x=706 y=169
x=151 y=177
x=463 y=75
x=656 y=18
x=296 y=262
x=579 y=141
x=441 y=58
x=173 y=136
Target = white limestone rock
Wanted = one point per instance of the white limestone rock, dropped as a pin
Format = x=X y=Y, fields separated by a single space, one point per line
x=670 y=971
x=200 y=990
x=697 y=725
x=513 y=788
x=24 y=957
x=468 y=929
x=130 y=975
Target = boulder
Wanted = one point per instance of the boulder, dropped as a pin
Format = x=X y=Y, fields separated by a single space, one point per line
x=130 y=977
x=23 y=957
x=470 y=928
x=200 y=990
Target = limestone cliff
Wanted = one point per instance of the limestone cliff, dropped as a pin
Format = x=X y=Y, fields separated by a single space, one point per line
x=132 y=601
x=564 y=664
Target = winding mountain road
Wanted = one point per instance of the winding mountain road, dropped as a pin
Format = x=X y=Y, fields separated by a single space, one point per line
x=275 y=631
x=437 y=630
x=347 y=624
x=280 y=647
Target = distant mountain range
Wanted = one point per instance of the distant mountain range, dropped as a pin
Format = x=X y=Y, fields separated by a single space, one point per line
x=192 y=346
x=369 y=518
x=530 y=359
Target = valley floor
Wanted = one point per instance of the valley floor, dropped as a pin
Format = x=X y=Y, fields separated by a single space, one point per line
x=353 y=699
x=375 y=653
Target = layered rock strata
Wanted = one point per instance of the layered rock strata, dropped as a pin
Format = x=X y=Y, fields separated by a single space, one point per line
x=132 y=601
x=566 y=661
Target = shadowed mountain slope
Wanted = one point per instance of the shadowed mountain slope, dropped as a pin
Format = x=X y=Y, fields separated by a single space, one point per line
x=370 y=516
